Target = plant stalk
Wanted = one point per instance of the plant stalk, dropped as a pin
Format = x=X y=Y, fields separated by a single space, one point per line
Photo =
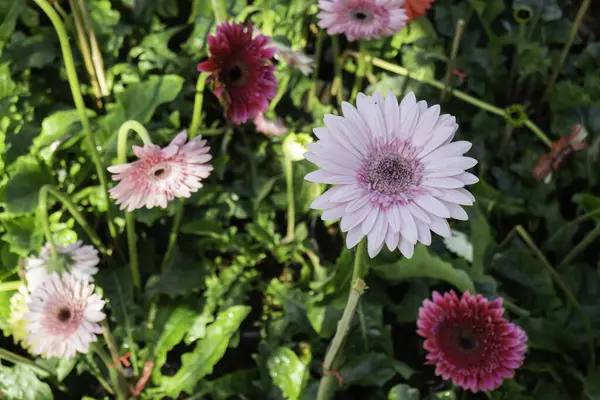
x=288 y=170
x=460 y=27
x=360 y=72
x=580 y=247
x=119 y=381
x=97 y=59
x=173 y=236
x=315 y=77
x=198 y=101
x=337 y=88
x=10 y=286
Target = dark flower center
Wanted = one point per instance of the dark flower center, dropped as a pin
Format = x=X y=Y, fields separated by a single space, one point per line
x=361 y=16
x=466 y=342
x=64 y=314
x=159 y=172
x=236 y=75
x=390 y=174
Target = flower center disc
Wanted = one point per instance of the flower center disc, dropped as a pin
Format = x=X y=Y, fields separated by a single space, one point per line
x=361 y=15
x=236 y=75
x=64 y=314
x=390 y=174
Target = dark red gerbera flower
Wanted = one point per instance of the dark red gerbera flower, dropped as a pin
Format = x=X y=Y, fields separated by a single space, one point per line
x=242 y=73
x=469 y=341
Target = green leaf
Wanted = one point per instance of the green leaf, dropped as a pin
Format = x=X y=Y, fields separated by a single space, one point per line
x=140 y=99
x=23 y=233
x=59 y=125
x=591 y=385
x=173 y=332
x=287 y=372
x=199 y=363
x=403 y=392
x=20 y=383
x=481 y=236
x=183 y=275
x=22 y=190
x=424 y=265
x=372 y=369
x=519 y=264
x=588 y=202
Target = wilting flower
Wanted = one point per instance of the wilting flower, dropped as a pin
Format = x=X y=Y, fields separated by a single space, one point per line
x=63 y=316
x=469 y=341
x=18 y=308
x=416 y=8
x=397 y=174
x=296 y=59
x=79 y=260
x=362 y=19
x=241 y=70
x=560 y=152
x=161 y=174
x=268 y=126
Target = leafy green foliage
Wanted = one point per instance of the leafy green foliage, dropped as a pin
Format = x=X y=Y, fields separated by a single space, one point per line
x=19 y=382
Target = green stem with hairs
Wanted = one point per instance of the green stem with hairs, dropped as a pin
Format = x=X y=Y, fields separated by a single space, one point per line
x=80 y=105
x=328 y=381
x=198 y=101
x=72 y=208
x=580 y=247
x=17 y=359
x=10 y=286
x=337 y=88
x=585 y=4
x=129 y=221
x=455 y=93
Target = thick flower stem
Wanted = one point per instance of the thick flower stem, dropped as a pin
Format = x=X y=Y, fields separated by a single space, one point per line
x=337 y=88
x=460 y=27
x=129 y=221
x=328 y=380
x=17 y=359
x=219 y=11
x=585 y=4
x=72 y=208
x=360 y=72
x=173 y=236
x=198 y=101
x=315 y=77
x=80 y=105
x=288 y=170
x=455 y=93
x=118 y=379
x=10 y=286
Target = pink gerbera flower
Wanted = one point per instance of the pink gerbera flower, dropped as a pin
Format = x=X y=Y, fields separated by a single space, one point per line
x=268 y=126
x=469 y=341
x=362 y=19
x=160 y=174
x=397 y=174
x=241 y=70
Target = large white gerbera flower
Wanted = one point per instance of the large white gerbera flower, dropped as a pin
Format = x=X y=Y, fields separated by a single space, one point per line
x=63 y=316
x=80 y=260
x=397 y=174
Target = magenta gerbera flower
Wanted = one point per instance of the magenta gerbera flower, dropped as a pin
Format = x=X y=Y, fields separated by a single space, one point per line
x=242 y=73
x=469 y=341
x=362 y=19
x=397 y=174
x=160 y=174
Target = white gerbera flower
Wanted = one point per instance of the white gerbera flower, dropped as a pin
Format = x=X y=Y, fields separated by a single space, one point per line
x=63 y=316
x=397 y=174
x=80 y=260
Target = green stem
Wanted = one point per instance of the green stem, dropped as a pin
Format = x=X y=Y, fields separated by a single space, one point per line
x=456 y=93
x=80 y=105
x=72 y=208
x=327 y=383
x=198 y=101
x=580 y=247
x=288 y=170
x=96 y=371
x=559 y=281
x=43 y=209
x=10 y=286
x=17 y=359
x=360 y=266
x=173 y=236
x=337 y=88
x=112 y=372
x=585 y=4
x=360 y=72
x=460 y=27
x=219 y=11
x=129 y=221
x=573 y=223
x=116 y=370
x=315 y=77
x=515 y=309
x=267 y=14
x=283 y=85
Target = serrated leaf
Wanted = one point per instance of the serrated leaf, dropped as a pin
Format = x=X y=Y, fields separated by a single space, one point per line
x=287 y=372
x=20 y=383
x=199 y=363
x=424 y=265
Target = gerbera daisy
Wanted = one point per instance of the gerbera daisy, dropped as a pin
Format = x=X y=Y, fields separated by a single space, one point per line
x=63 y=316
x=295 y=59
x=241 y=70
x=469 y=341
x=160 y=174
x=269 y=127
x=362 y=19
x=397 y=174
x=75 y=258
x=416 y=8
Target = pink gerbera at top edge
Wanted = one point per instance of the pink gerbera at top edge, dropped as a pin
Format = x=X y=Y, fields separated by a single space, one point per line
x=241 y=70
x=161 y=174
x=362 y=19
x=469 y=341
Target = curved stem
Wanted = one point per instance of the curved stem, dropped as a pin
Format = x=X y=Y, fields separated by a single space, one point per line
x=79 y=105
x=10 y=286
x=573 y=223
x=580 y=247
x=72 y=208
x=129 y=221
x=17 y=359
x=456 y=93
x=326 y=385
x=198 y=101
x=173 y=236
